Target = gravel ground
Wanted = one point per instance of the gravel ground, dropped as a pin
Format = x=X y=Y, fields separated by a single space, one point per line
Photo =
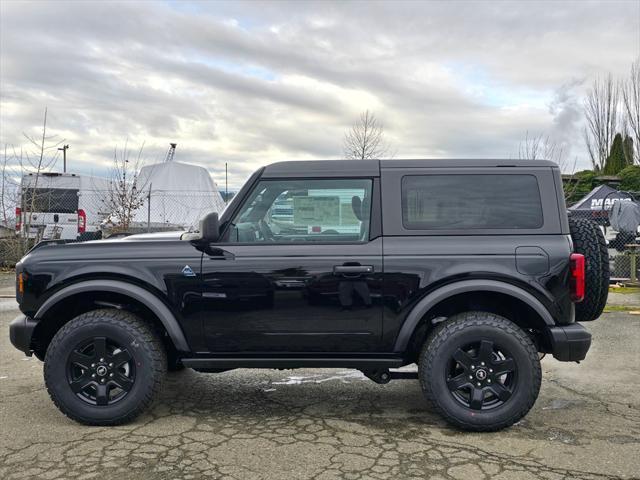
x=323 y=424
x=7 y=284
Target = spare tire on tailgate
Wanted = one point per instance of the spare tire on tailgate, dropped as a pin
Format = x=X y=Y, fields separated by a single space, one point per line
x=589 y=240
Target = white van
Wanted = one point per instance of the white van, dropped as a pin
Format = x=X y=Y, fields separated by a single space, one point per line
x=60 y=205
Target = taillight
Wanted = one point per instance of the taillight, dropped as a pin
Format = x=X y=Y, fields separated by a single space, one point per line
x=18 y=219
x=82 y=221
x=577 y=279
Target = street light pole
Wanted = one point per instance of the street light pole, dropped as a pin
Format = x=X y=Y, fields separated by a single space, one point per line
x=64 y=157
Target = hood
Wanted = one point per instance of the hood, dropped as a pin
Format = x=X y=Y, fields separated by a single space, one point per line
x=146 y=245
x=153 y=237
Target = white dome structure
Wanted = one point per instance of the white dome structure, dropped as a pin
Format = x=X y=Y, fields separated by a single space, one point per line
x=181 y=194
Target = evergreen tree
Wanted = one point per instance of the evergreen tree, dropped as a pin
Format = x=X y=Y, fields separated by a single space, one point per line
x=630 y=178
x=616 y=160
x=627 y=147
x=579 y=185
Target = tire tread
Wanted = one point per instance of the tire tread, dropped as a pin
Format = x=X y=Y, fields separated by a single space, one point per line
x=137 y=328
x=461 y=321
x=589 y=241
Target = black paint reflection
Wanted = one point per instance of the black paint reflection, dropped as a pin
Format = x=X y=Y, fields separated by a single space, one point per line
x=302 y=307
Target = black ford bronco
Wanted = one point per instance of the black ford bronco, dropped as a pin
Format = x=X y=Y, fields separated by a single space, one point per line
x=470 y=269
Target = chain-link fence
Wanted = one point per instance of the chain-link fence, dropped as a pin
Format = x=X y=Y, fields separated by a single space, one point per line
x=46 y=214
x=623 y=244
x=56 y=214
x=151 y=211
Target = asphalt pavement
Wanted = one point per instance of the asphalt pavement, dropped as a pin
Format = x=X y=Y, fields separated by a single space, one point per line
x=330 y=424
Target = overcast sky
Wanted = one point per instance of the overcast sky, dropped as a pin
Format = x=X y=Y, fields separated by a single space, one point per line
x=252 y=83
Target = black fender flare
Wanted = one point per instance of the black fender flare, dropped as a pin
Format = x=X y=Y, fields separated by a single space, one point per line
x=148 y=299
x=464 y=286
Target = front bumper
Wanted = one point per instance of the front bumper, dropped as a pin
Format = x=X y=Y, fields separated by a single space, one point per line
x=20 y=333
x=569 y=343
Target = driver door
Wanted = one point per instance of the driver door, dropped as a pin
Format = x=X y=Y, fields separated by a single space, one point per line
x=297 y=270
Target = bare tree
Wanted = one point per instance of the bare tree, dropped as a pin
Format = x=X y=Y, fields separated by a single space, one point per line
x=631 y=107
x=365 y=139
x=601 y=113
x=37 y=160
x=40 y=154
x=11 y=173
x=126 y=192
x=541 y=147
x=5 y=185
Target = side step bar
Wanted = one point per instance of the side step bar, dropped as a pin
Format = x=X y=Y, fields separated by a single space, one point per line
x=358 y=363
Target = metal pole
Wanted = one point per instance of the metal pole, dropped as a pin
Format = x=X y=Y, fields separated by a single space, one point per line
x=149 y=208
x=64 y=157
x=226 y=183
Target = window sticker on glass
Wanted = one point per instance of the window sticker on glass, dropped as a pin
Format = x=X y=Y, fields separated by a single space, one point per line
x=316 y=210
x=305 y=210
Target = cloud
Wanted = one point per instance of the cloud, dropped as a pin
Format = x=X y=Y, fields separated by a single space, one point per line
x=230 y=82
x=567 y=113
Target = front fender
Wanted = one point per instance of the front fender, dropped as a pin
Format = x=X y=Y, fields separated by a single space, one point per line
x=148 y=299
x=465 y=286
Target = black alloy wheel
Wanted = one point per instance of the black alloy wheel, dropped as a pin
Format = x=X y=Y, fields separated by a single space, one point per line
x=481 y=376
x=100 y=371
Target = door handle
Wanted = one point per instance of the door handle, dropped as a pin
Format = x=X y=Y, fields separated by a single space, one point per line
x=216 y=253
x=354 y=270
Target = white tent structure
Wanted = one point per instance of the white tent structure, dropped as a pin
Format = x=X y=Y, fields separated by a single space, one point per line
x=180 y=195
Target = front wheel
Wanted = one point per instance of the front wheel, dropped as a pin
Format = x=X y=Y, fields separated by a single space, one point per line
x=480 y=371
x=104 y=367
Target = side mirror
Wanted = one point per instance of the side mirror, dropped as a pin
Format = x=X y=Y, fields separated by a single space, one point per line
x=209 y=230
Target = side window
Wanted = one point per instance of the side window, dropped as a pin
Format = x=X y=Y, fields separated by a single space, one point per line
x=463 y=201
x=305 y=210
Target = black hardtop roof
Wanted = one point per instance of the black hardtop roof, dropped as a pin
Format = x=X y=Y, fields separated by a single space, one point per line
x=323 y=168
x=372 y=167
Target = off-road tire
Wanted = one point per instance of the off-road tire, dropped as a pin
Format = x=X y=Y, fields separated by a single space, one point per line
x=142 y=343
x=469 y=327
x=605 y=273
x=589 y=241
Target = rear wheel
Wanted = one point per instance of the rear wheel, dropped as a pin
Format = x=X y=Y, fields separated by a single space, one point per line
x=104 y=367
x=480 y=371
x=589 y=241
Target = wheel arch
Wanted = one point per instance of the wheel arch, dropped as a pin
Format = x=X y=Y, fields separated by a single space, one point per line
x=455 y=297
x=108 y=292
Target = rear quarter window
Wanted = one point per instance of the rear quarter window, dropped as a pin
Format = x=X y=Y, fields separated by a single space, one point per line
x=471 y=201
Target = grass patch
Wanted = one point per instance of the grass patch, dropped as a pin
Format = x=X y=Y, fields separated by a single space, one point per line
x=625 y=290
x=621 y=308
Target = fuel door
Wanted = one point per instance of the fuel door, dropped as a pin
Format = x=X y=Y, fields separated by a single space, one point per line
x=532 y=261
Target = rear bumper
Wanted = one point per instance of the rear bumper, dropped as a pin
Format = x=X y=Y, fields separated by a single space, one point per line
x=569 y=343
x=20 y=333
